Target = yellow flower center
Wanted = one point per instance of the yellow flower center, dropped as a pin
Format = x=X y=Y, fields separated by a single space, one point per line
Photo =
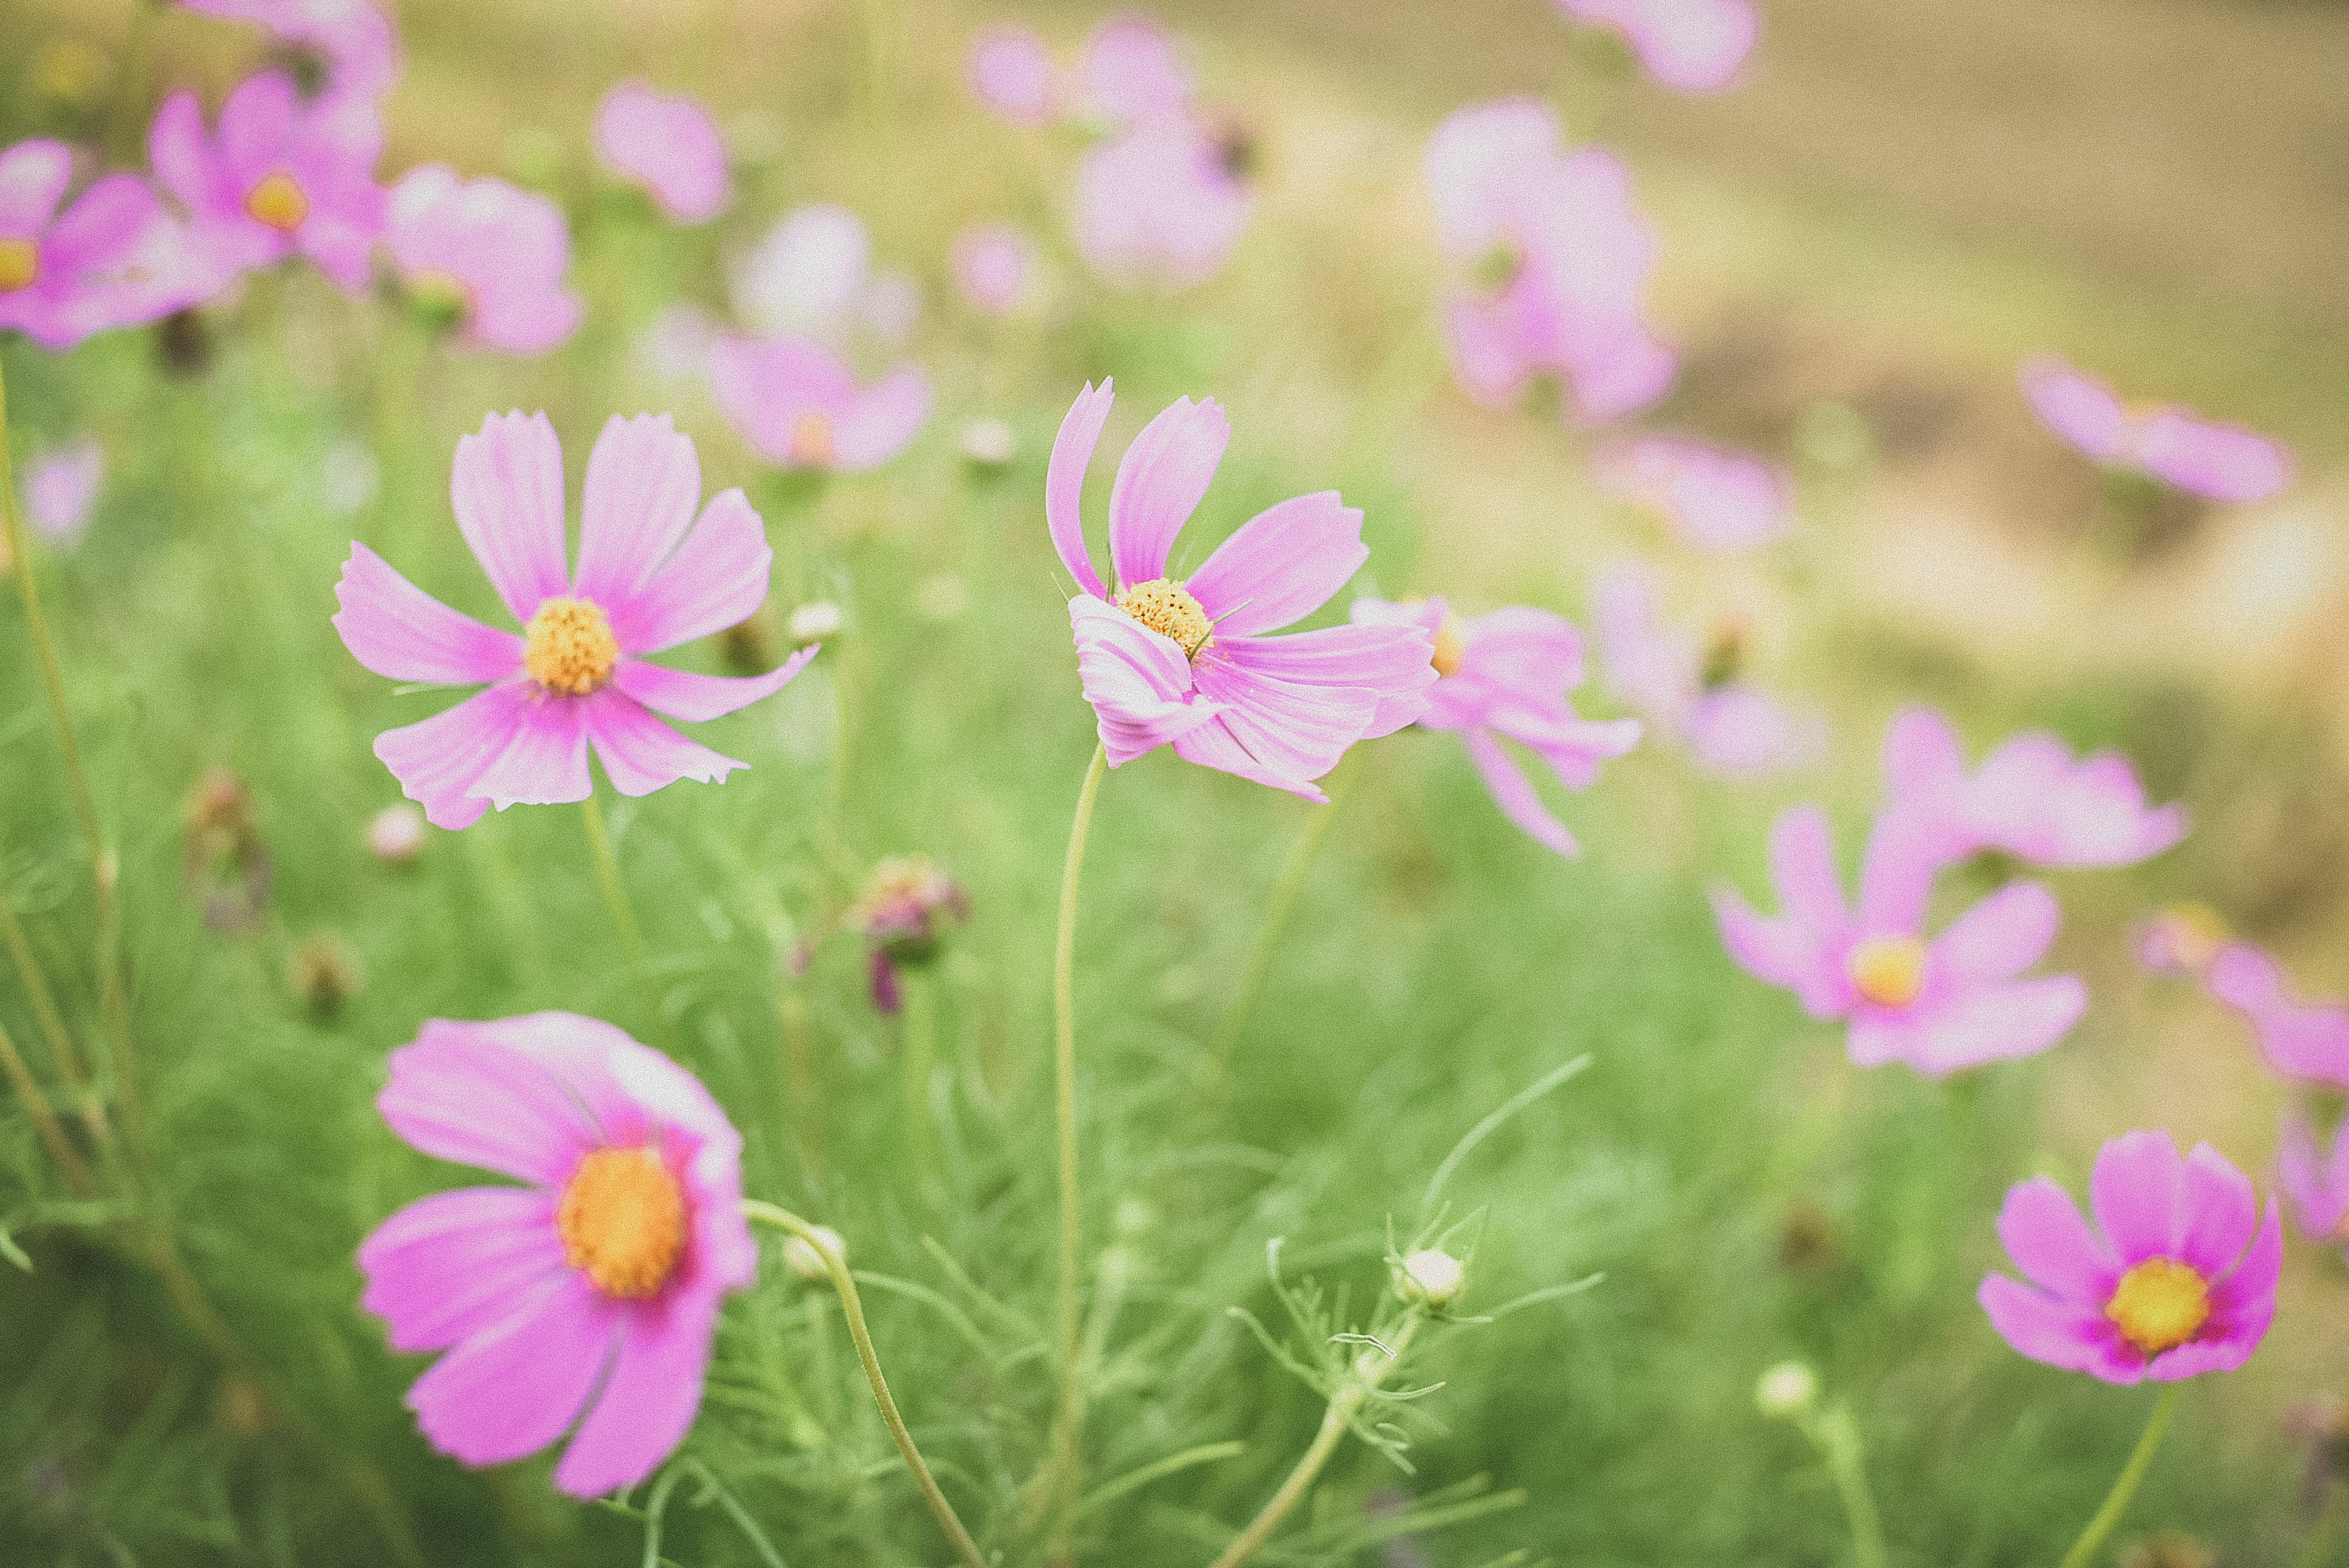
x=1889 y=970
x=622 y=1221
x=2159 y=1305
x=1166 y=607
x=812 y=446
x=277 y=201
x=20 y=263
x=571 y=648
x=1450 y=649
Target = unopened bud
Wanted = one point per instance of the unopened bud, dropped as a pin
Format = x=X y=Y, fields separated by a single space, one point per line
x=1430 y=1279
x=394 y=835
x=1788 y=1389
x=988 y=443
x=804 y=1261
x=324 y=973
x=814 y=621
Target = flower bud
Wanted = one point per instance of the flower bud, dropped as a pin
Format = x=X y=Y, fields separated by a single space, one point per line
x=804 y=1261
x=1788 y=1389
x=324 y=974
x=1430 y=1279
x=988 y=443
x=814 y=621
x=394 y=835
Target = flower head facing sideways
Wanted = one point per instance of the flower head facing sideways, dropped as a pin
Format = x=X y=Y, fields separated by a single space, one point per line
x=1714 y=499
x=1506 y=674
x=667 y=144
x=587 y=1297
x=2176 y=1278
x=1184 y=661
x=1689 y=46
x=900 y=911
x=2216 y=461
x=651 y=575
x=109 y=258
x=496 y=258
x=799 y=406
x=2305 y=1041
x=1938 y=1003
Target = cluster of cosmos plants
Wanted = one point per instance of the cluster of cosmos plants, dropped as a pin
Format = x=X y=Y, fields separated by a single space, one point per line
x=576 y=1302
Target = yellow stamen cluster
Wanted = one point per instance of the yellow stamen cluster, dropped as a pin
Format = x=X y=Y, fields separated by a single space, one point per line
x=812 y=443
x=622 y=1221
x=277 y=201
x=20 y=263
x=1450 y=649
x=1889 y=970
x=1166 y=607
x=2159 y=1305
x=571 y=648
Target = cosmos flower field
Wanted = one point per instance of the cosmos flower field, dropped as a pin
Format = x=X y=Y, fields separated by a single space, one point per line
x=896 y=783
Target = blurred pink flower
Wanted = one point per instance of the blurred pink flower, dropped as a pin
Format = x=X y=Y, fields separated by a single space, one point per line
x=667 y=144
x=110 y=259
x=1940 y=1006
x=2181 y=939
x=2316 y=1183
x=650 y=577
x=1729 y=725
x=2028 y=797
x=811 y=275
x=799 y=405
x=61 y=486
x=2308 y=1041
x=1162 y=204
x=1552 y=259
x=994 y=266
x=1185 y=660
x=899 y=912
x=585 y=1298
x=499 y=256
x=1507 y=674
x=1714 y=499
x=1011 y=73
x=1690 y=45
x=2219 y=462
x=1130 y=71
x=280 y=177
x=2178 y=1277
x=352 y=40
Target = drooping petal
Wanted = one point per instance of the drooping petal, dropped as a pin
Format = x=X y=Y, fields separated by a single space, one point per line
x=1280 y=566
x=2002 y=935
x=1214 y=744
x=438 y=760
x=506 y=486
x=2220 y=1212
x=1160 y=483
x=649 y=1400
x=463 y=1092
x=2138 y=1191
x=1514 y=794
x=1138 y=681
x=639 y=753
x=546 y=763
x=2076 y=1338
x=1292 y=728
x=1389 y=661
x=452 y=1266
x=695 y=698
x=2050 y=1241
x=513 y=1391
x=716 y=579
x=642 y=489
x=403 y=633
x=1064 y=482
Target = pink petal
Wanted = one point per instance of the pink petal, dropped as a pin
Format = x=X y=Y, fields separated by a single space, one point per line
x=403 y=633
x=2080 y=408
x=33 y=180
x=1214 y=744
x=643 y=486
x=1130 y=70
x=452 y=1266
x=716 y=579
x=1477 y=165
x=2299 y=1040
x=2138 y=1191
x=2220 y=1212
x=463 y=1092
x=2223 y=462
x=545 y=762
x=639 y=753
x=882 y=420
x=1895 y=876
x=2002 y=935
x=181 y=159
x=506 y=485
x=1280 y=566
x=1064 y=482
x=1138 y=681
x=438 y=760
x=2076 y=1338
x=1514 y=794
x=695 y=698
x=1921 y=755
x=649 y=1400
x=1996 y=1023
x=257 y=125
x=514 y=1390
x=1779 y=952
x=1392 y=662
x=1293 y=729
x=1011 y=73
x=1802 y=866
x=1159 y=485
x=2317 y=1185
x=2044 y=1233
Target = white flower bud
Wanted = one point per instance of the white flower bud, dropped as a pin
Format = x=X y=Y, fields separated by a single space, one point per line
x=990 y=443
x=1788 y=1389
x=395 y=834
x=807 y=1263
x=814 y=621
x=1430 y=1279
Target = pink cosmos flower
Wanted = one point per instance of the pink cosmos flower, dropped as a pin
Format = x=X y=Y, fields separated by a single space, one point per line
x=1162 y=204
x=1185 y=660
x=111 y=259
x=1729 y=725
x=2219 y=462
x=668 y=145
x=1554 y=259
x=2308 y=1041
x=1011 y=73
x=1507 y=674
x=799 y=405
x=61 y=486
x=498 y=257
x=1130 y=71
x=2028 y=797
x=280 y=177
x=2317 y=1183
x=650 y=576
x=1714 y=499
x=589 y=1295
x=1942 y=1004
x=1690 y=45
x=2180 y=1280
x=994 y=266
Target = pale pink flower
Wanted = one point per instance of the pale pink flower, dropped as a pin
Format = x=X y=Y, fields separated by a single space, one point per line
x=2307 y=1041
x=61 y=486
x=498 y=257
x=585 y=1301
x=799 y=406
x=1130 y=71
x=811 y=275
x=1161 y=205
x=1185 y=660
x=110 y=259
x=667 y=144
x=2216 y=461
x=1507 y=674
x=1690 y=45
x=994 y=266
x=2316 y=1183
x=1011 y=73
x=650 y=576
x=1714 y=499
x=1729 y=725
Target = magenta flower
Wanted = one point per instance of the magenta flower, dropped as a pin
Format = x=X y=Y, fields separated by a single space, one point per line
x=650 y=576
x=589 y=1296
x=1185 y=660
x=1938 y=1005
x=2218 y=462
x=994 y=266
x=2308 y=1041
x=497 y=257
x=111 y=259
x=799 y=405
x=61 y=486
x=280 y=177
x=2180 y=1280
x=2028 y=797
x=1011 y=73
x=667 y=144
x=1130 y=71
x=2316 y=1183
x=1507 y=674
x=1161 y=205
x=1553 y=259
x=1690 y=45
x=1729 y=725
x=1714 y=499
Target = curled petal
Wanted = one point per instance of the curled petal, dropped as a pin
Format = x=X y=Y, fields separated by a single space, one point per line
x=1138 y=681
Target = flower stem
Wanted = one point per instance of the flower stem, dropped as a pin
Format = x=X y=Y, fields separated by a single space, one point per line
x=44 y=1120
x=2084 y=1549
x=1362 y=1381
x=921 y=1061
x=607 y=872
x=1070 y=1418
x=1837 y=1438
x=853 y=1309
x=53 y=1025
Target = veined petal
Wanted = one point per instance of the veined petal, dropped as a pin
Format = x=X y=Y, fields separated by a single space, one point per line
x=546 y=763
x=643 y=486
x=1280 y=566
x=452 y=1266
x=1293 y=729
x=514 y=1390
x=1160 y=483
x=1390 y=660
x=716 y=579
x=1214 y=744
x=403 y=633
x=639 y=753
x=1064 y=482
x=1138 y=681
x=649 y=1400
x=438 y=760
x=695 y=698
x=506 y=486
x=1514 y=793
x=462 y=1092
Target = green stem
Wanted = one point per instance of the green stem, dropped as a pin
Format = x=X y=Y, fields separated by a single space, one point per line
x=853 y=1309
x=44 y=1120
x=1070 y=1419
x=2084 y=1549
x=921 y=1062
x=607 y=872
x=53 y=1025
x=1837 y=1437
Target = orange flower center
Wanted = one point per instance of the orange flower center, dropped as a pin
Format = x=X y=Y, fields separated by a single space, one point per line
x=1166 y=607
x=1889 y=970
x=20 y=263
x=812 y=446
x=571 y=648
x=622 y=1221
x=277 y=201
x=2159 y=1305
x=1450 y=649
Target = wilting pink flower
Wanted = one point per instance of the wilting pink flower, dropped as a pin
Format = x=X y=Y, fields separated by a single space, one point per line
x=2180 y=1280
x=1162 y=204
x=904 y=903
x=61 y=486
x=1185 y=660
x=2304 y=1041
x=994 y=266
x=280 y=177
x=1507 y=674
x=111 y=259
x=1553 y=260
x=2316 y=1183
x=497 y=256
x=2220 y=462
x=1690 y=45
x=650 y=577
x=1714 y=499
x=1729 y=725
x=799 y=405
x=351 y=40
x=2028 y=797
x=1011 y=73
x=667 y=144
x=590 y=1295
x=1942 y=1004
x=1130 y=71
